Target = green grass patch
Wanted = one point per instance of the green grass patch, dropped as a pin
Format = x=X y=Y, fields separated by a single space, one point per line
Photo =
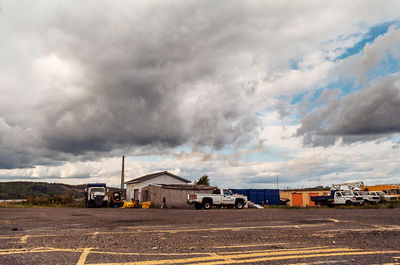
x=51 y=201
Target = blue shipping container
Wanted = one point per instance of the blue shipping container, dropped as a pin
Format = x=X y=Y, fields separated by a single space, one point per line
x=260 y=196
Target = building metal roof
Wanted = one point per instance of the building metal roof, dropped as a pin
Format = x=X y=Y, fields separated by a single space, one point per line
x=154 y=175
x=184 y=186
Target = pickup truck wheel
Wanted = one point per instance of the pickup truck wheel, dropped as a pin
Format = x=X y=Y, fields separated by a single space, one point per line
x=348 y=203
x=206 y=205
x=239 y=205
x=198 y=206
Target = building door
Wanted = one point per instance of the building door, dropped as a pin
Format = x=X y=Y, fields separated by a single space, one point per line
x=146 y=196
x=310 y=202
x=297 y=199
x=136 y=194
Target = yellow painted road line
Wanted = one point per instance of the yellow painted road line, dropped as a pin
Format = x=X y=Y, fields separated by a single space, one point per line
x=173 y=231
x=318 y=262
x=150 y=254
x=24 y=239
x=334 y=220
x=396 y=263
x=37 y=250
x=255 y=245
x=361 y=230
x=290 y=252
x=18 y=237
x=95 y=234
x=82 y=258
x=229 y=258
x=197 y=253
x=9 y=237
x=291 y=257
x=217 y=229
x=51 y=249
x=11 y=249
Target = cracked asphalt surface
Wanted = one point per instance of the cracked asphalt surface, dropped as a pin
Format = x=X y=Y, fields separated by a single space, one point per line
x=217 y=236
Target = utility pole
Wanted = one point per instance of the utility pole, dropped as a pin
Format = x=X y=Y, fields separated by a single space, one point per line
x=123 y=174
x=277 y=182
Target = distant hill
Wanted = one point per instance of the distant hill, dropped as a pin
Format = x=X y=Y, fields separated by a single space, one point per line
x=24 y=189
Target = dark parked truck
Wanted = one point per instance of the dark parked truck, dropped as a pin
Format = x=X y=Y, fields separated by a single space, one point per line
x=219 y=197
x=338 y=197
x=96 y=195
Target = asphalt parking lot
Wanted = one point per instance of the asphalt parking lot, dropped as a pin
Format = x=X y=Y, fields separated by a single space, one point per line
x=217 y=236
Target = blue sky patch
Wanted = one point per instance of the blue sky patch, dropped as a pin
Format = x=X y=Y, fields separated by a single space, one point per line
x=372 y=34
x=346 y=85
x=388 y=65
x=298 y=98
x=294 y=64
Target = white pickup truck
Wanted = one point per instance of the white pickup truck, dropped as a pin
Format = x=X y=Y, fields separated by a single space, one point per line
x=383 y=196
x=219 y=197
x=338 y=197
x=368 y=198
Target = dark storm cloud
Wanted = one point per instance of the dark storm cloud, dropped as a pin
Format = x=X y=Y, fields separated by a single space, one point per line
x=366 y=115
x=139 y=76
x=153 y=75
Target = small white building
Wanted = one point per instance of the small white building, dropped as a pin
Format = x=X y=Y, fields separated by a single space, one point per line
x=134 y=187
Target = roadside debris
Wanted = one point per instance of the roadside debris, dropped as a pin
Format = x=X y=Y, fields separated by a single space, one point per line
x=254 y=205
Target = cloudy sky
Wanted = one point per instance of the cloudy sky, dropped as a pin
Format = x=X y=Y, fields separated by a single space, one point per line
x=245 y=91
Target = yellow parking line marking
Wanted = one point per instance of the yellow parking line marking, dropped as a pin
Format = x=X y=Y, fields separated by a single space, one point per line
x=172 y=231
x=290 y=252
x=255 y=245
x=334 y=220
x=18 y=237
x=37 y=250
x=289 y=257
x=212 y=259
x=83 y=256
x=394 y=228
x=396 y=263
x=51 y=249
x=95 y=234
x=149 y=254
x=195 y=253
x=24 y=239
x=216 y=229
x=13 y=251
x=215 y=258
